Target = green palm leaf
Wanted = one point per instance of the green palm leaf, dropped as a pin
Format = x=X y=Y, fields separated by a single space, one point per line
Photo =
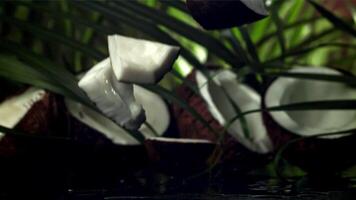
x=336 y=21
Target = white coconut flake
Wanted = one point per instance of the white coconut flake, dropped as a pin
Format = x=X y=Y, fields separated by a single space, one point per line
x=12 y=110
x=115 y=99
x=156 y=110
x=140 y=61
x=222 y=110
x=258 y=6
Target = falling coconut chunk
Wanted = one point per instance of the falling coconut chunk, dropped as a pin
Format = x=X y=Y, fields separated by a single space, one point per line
x=109 y=84
x=115 y=99
x=223 y=111
x=140 y=61
x=215 y=14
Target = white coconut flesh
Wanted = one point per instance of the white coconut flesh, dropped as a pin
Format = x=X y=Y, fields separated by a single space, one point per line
x=308 y=123
x=13 y=109
x=258 y=6
x=109 y=84
x=157 y=115
x=140 y=61
x=223 y=111
x=115 y=99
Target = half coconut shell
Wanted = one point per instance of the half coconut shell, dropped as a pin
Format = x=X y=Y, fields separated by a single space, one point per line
x=316 y=155
x=236 y=157
x=33 y=111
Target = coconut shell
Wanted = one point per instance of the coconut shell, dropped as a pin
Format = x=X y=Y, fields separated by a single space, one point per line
x=235 y=157
x=98 y=147
x=45 y=117
x=340 y=7
x=89 y=158
x=214 y=14
x=98 y=161
x=314 y=155
x=84 y=134
x=188 y=125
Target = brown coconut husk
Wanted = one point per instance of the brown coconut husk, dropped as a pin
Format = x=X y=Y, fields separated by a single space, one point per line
x=188 y=126
x=47 y=118
x=340 y=7
x=98 y=144
x=44 y=118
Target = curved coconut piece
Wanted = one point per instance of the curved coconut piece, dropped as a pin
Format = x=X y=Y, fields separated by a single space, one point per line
x=140 y=61
x=223 y=111
x=322 y=155
x=34 y=111
x=308 y=123
x=213 y=14
x=157 y=115
x=236 y=158
x=14 y=109
x=115 y=99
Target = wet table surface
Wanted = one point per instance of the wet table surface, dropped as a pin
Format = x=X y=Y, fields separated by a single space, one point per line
x=271 y=189
x=305 y=196
x=67 y=172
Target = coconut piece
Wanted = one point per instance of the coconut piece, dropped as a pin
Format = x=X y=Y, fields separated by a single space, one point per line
x=214 y=14
x=109 y=83
x=222 y=110
x=314 y=155
x=325 y=154
x=188 y=126
x=15 y=108
x=307 y=123
x=33 y=111
x=115 y=99
x=156 y=112
x=140 y=61
x=236 y=158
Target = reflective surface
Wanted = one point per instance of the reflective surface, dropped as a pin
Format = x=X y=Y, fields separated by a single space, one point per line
x=71 y=170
